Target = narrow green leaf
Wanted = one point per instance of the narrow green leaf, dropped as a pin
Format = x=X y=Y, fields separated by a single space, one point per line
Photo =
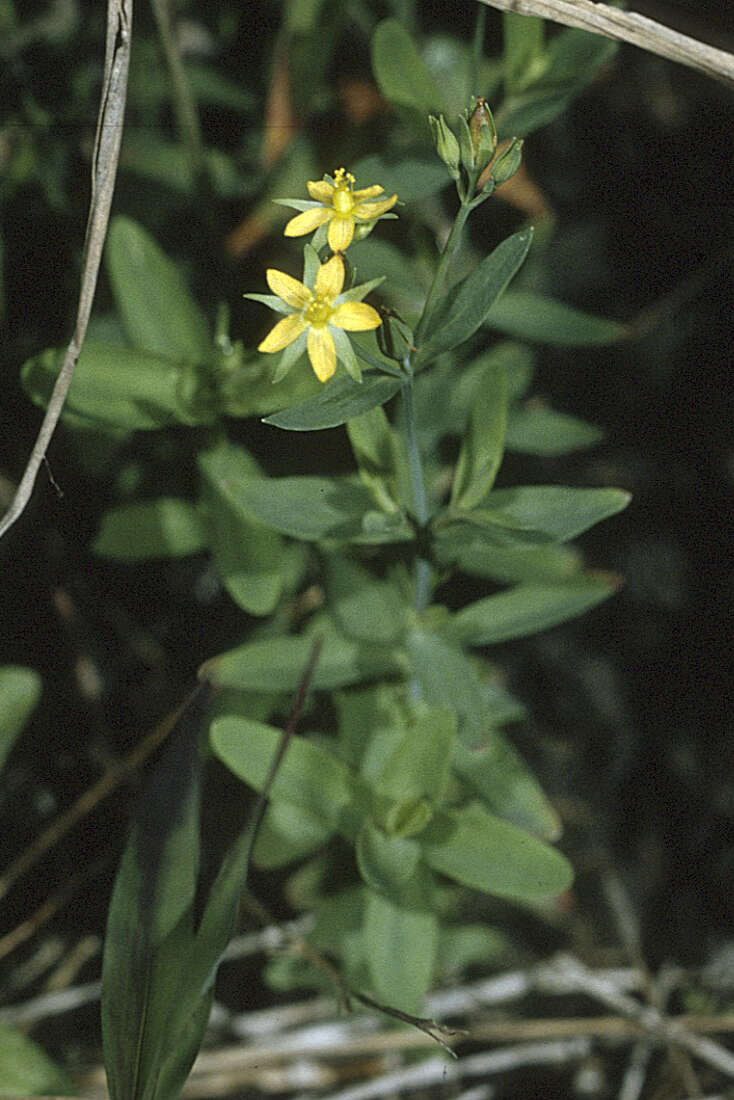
x=337 y=402
x=277 y=664
x=314 y=508
x=401 y=940
x=572 y=60
x=473 y=554
x=150 y=923
x=523 y=41
x=118 y=387
x=527 y=609
x=157 y=310
x=447 y=676
x=480 y=850
x=385 y=862
x=558 y=511
x=411 y=176
x=25 y=1070
x=484 y=442
x=166 y=527
x=400 y=71
x=288 y=833
x=537 y=430
x=248 y=556
x=309 y=777
x=20 y=690
x=466 y=307
x=495 y=769
x=529 y=316
x=364 y=608
x=418 y=767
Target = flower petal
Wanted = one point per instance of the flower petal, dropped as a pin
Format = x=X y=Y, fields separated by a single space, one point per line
x=283 y=334
x=355 y=317
x=321 y=191
x=330 y=278
x=366 y=211
x=290 y=290
x=367 y=193
x=341 y=231
x=322 y=353
x=307 y=221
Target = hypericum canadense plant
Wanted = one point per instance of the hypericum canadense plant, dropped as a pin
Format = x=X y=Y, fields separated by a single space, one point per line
x=402 y=792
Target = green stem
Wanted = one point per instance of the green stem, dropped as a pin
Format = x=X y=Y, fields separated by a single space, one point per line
x=418 y=484
x=443 y=266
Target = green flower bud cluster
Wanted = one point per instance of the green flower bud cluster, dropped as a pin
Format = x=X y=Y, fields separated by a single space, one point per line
x=469 y=155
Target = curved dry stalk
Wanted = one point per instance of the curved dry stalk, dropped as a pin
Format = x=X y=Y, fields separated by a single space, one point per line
x=104 y=171
x=628 y=26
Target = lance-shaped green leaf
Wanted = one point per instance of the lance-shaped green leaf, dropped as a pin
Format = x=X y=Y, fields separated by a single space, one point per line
x=20 y=690
x=401 y=940
x=339 y=401
x=469 y=551
x=572 y=59
x=385 y=862
x=400 y=71
x=466 y=306
x=558 y=511
x=309 y=777
x=248 y=555
x=412 y=174
x=527 y=609
x=523 y=38
x=150 y=930
x=288 y=833
x=530 y=316
x=157 y=310
x=365 y=608
x=277 y=664
x=496 y=771
x=537 y=430
x=418 y=766
x=118 y=387
x=25 y=1070
x=483 y=444
x=166 y=527
x=447 y=676
x=477 y=849
x=316 y=508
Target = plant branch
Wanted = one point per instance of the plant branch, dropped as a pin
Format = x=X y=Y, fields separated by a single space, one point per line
x=628 y=26
x=104 y=171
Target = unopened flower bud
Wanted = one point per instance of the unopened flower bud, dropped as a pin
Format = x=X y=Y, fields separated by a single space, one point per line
x=446 y=144
x=507 y=162
x=483 y=133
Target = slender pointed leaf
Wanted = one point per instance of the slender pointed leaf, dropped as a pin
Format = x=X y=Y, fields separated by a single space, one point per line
x=339 y=401
x=466 y=307
x=527 y=609
x=477 y=849
x=484 y=442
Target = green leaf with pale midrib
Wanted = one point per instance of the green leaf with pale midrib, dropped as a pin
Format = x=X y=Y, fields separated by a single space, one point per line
x=526 y=609
x=339 y=401
x=466 y=306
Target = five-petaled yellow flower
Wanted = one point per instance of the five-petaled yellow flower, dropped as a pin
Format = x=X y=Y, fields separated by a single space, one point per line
x=341 y=206
x=318 y=318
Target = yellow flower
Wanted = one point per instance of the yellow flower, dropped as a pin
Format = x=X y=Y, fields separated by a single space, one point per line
x=341 y=206
x=317 y=316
